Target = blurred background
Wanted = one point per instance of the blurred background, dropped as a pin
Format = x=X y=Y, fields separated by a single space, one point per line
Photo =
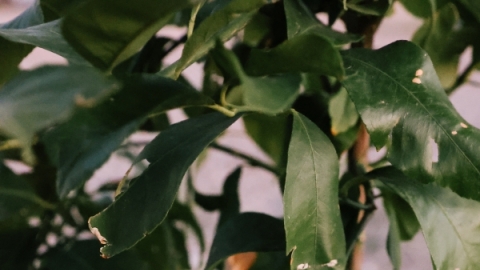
x=261 y=186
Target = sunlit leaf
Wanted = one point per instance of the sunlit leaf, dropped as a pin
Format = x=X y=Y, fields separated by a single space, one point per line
x=312 y=217
x=406 y=107
x=143 y=206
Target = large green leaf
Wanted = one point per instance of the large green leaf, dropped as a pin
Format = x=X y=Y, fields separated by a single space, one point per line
x=144 y=205
x=301 y=21
x=107 y=32
x=303 y=53
x=84 y=143
x=449 y=222
x=403 y=104
x=36 y=99
x=312 y=217
x=246 y=232
x=221 y=25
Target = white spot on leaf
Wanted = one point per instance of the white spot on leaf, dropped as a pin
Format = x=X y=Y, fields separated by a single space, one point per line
x=434 y=147
x=454 y=132
x=99 y=236
x=463 y=125
x=419 y=72
x=331 y=264
x=303 y=266
x=417 y=80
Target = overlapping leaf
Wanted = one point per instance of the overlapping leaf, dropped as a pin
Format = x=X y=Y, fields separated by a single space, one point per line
x=140 y=209
x=85 y=142
x=312 y=217
x=93 y=30
x=221 y=25
x=403 y=104
x=449 y=223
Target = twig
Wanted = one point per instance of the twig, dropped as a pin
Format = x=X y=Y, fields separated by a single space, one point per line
x=252 y=161
x=462 y=78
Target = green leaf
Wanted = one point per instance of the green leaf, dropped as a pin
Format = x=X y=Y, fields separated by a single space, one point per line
x=444 y=38
x=473 y=6
x=420 y=8
x=342 y=112
x=393 y=245
x=449 y=222
x=221 y=25
x=46 y=36
x=37 y=99
x=302 y=53
x=84 y=143
x=270 y=134
x=371 y=7
x=301 y=21
x=406 y=107
x=312 y=217
x=246 y=232
x=107 y=32
x=139 y=210
x=184 y=213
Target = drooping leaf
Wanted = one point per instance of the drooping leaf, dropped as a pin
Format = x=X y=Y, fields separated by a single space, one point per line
x=221 y=25
x=407 y=101
x=246 y=232
x=93 y=27
x=140 y=209
x=301 y=21
x=370 y=7
x=312 y=217
x=270 y=134
x=302 y=53
x=450 y=223
x=37 y=99
x=84 y=143
x=342 y=112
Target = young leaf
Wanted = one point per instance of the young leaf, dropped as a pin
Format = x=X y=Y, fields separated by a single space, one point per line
x=93 y=27
x=312 y=218
x=84 y=143
x=36 y=99
x=144 y=205
x=449 y=223
x=292 y=56
x=405 y=106
x=246 y=232
x=221 y=25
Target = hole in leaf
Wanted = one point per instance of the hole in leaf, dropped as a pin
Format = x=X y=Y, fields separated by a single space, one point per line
x=434 y=150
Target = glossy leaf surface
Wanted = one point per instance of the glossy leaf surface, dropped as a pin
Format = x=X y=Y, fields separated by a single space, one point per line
x=246 y=232
x=407 y=101
x=221 y=25
x=92 y=28
x=440 y=212
x=312 y=217
x=84 y=143
x=140 y=209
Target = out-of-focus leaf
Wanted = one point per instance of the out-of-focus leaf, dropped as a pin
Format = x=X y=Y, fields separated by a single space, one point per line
x=93 y=27
x=269 y=133
x=444 y=38
x=246 y=232
x=370 y=7
x=406 y=106
x=184 y=213
x=342 y=112
x=301 y=21
x=84 y=143
x=449 y=222
x=18 y=248
x=473 y=6
x=393 y=245
x=83 y=255
x=321 y=57
x=398 y=209
x=312 y=217
x=257 y=29
x=421 y=8
x=221 y=25
x=139 y=210
x=269 y=95
x=37 y=99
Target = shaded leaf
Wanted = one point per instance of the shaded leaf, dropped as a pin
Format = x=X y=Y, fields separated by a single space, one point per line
x=312 y=217
x=221 y=25
x=407 y=101
x=84 y=143
x=440 y=212
x=302 y=53
x=37 y=99
x=139 y=210
x=301 y=21
x=420 y=8
x=370 y=7
x=473 y=6
x=92 y=28
x=342 y=112
x=400 y=213
x=184 y=213
x=18 y=248
x=246 y=232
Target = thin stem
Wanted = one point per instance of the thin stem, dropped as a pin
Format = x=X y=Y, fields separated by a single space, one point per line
x=10 y=144
x=193 y=16
x=252 y=161
x=462 y=78
x=223 y=110
x=356 y=204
